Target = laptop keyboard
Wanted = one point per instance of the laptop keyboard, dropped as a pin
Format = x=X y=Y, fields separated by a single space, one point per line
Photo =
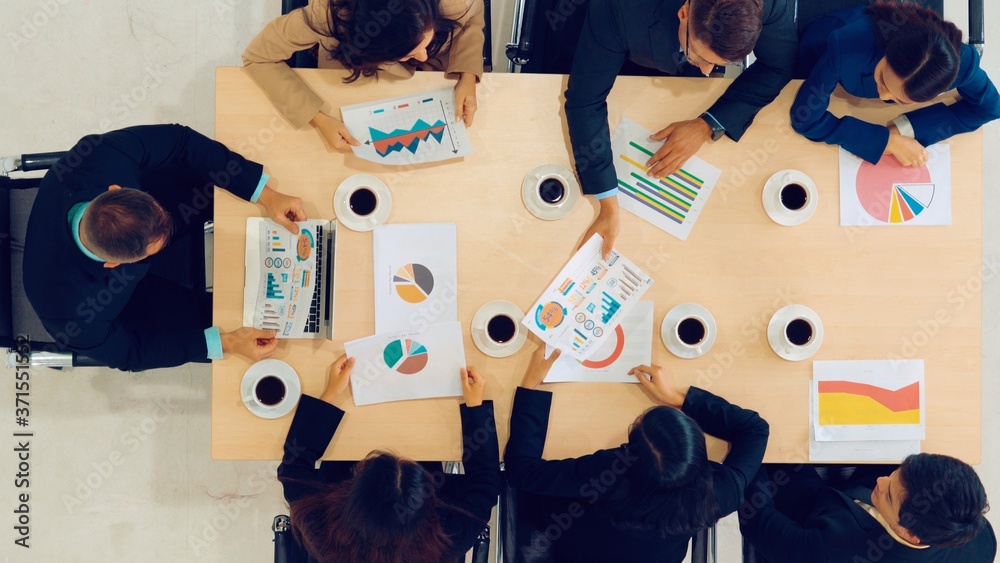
x=313 y=322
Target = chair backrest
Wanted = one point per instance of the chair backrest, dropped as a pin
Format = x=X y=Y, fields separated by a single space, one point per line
x=806 y=11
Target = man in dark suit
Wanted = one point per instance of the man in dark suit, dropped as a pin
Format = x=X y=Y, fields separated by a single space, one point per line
x=101 y=214
x=674 y=37
x=929 y=509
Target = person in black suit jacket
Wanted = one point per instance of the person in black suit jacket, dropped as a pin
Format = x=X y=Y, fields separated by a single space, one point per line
x=929 y=509
x=112 y=202
x=641 y=501
x=674 y=37
x=385 y=509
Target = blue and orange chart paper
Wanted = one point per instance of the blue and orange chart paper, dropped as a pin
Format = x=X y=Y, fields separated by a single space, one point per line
x=890 y=194
x=672 y=203
x=409 y=129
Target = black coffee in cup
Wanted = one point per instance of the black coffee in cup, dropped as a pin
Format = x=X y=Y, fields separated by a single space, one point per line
x=363 y=201
x=270 y=390
x=794 y=196
x=799 y=332
x=551 y=190
x=501 y=329
x=691 y=331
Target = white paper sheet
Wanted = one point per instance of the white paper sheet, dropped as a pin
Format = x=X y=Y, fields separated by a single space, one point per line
x=416 y=275
x=863 y=400
x=580 y=309
x=672 y=203
x=408 y=129
x=890 y=194
x=631 y=346
x=406 y=365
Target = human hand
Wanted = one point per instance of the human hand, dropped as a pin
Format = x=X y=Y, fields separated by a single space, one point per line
x=656 y=382
x=538 y=367
x=284 y=209
x=473 y=386
x=683 y=139
x=465 y=98
x=334 y=132
x=607 y=224
x=252 y=343
x=908 y=151
x=339 y=377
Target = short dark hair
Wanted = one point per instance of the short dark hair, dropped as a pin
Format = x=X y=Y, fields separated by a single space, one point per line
x=729 y=27
x=921 y=47
x=668 y=488
x=945 y=501
x=121 y=224
x=369 y=35
x=387 y=512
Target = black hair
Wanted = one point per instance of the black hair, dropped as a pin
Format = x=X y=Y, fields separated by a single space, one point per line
x=668 y=488
x=921 y=47
x=371 y=33
x=730 y=28
x=944 y=503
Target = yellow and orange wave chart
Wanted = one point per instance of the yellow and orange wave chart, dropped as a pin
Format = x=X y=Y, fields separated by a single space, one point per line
x=850 y=403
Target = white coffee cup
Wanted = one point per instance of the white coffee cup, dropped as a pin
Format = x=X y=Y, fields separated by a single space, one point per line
x=691 y=332
x=255 y=399
x=797 y=333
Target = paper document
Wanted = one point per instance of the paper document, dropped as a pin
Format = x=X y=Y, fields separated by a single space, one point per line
x=631 y=346
x=889 y=193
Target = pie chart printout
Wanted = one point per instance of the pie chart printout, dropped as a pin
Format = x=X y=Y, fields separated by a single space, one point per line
x=406 y=356
x=893 y=193
x=413 y=283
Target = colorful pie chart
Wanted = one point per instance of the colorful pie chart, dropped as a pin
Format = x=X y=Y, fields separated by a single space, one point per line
x=413 y=283
x=893 y=193
x=406 y=356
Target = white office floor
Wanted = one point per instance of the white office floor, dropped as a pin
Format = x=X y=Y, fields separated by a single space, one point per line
x=120 y=468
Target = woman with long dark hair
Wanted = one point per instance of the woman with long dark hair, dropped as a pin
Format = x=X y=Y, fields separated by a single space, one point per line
x=387 y=509
x=899 y=52
x=641 y=501
x=368 y=37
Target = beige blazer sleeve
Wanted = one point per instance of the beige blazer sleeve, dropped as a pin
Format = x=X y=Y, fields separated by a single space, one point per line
x=264 y=60
x=466 y=53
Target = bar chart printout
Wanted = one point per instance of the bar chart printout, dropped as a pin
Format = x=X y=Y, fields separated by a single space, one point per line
x=672 y=203
x=409 y=129
x=585 y=303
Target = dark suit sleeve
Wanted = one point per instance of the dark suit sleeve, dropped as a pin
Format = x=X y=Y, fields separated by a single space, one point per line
x=811 y=119
x=147 y=147
x=746 y=433
x=979 y=105
x=776 y=537
x=312 y=429
x=600 y=54
x=761 y=83
x=526 y=470
x=481 y=458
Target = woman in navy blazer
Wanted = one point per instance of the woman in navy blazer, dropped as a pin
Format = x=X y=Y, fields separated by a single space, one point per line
x=387 y=509
x=644 y=500
x=900 y=53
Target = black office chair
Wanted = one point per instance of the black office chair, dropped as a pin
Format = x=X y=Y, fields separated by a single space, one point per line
x=18 y=322
x=309 y=58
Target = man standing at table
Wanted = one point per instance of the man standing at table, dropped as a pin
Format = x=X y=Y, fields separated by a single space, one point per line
x=677 y=37
x=101 y=214
x=930 y=508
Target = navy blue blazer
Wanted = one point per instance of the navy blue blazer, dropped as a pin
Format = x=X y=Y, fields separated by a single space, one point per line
x=79 y=300
x=645 y=32
x=475 y=492
x=592 y=537
x=806 y=520
x=842 y=48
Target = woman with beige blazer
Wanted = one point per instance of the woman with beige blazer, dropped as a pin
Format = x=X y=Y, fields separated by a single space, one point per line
x=368 y=37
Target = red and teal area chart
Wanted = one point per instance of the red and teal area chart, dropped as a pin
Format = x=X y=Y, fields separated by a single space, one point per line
x=409 y=129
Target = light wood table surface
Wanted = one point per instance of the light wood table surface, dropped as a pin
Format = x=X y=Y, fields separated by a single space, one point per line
x=881 y=292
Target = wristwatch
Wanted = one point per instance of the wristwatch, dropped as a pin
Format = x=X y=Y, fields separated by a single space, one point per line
x=717 y=129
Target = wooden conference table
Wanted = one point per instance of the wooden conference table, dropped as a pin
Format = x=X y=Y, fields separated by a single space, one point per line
x=882 y=293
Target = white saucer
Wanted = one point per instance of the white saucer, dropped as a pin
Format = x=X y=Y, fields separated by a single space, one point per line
x=541 y=208
x=669 y=337
x=771 y=198
x=284 y=372
x=342 y=206
x=483 y=341
x=781 y=317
